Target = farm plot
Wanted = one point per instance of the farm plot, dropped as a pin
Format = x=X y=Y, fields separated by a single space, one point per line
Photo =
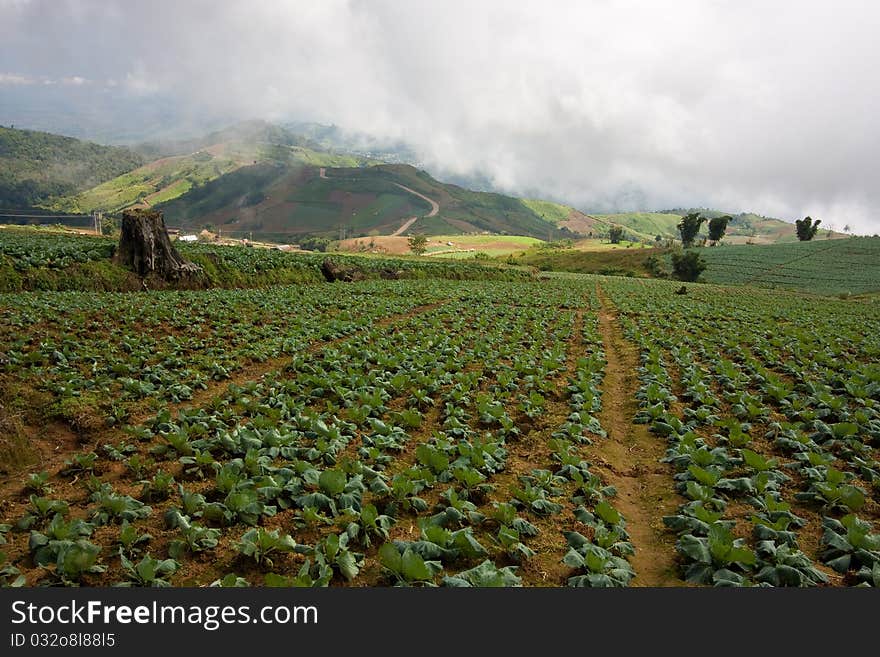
x=768 y=405
x=96 y=356
x=447 y=448
x=585 y=431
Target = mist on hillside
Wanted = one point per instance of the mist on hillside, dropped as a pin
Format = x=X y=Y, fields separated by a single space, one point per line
x=607 y=106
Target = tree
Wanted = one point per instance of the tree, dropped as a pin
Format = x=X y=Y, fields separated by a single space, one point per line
x=109 y=226
x=687 y=266
x=418 y=244
x=615 y=234
x=314 y=243
x=717 y=228
x=806 y=228
x=689 y=226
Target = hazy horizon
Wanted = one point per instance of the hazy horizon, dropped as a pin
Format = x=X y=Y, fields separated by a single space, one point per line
x=602 y=105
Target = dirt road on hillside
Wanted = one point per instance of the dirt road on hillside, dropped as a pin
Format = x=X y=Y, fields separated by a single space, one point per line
x=435 y=207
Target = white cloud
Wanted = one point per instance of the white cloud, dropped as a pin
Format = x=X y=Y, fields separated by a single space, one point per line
x=13 y=79
x=607 y=104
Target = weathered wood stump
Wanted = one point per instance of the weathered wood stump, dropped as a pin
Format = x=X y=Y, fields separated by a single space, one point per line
x=145 y=248
x=334 y=272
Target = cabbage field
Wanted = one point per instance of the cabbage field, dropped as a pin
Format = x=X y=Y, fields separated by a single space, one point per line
x=583 y=432
x=827 y=267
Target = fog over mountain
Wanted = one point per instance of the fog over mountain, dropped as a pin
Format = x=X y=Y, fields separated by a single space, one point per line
x=606 y=105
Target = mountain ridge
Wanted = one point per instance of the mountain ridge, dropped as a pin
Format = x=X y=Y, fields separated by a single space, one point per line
x=258 y=177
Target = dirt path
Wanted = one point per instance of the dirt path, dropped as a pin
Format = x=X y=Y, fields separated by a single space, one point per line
x=409 y=222
x=433 y=253
x=630 y=460
x=435 y=207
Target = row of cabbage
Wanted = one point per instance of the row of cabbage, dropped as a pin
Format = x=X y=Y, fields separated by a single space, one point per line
x=446 y=448
x=109 y=351
x=769 y=407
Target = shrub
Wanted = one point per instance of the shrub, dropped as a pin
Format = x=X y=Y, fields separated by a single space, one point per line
x=687 y=266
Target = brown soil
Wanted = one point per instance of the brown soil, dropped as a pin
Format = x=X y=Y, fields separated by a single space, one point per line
x=629 y=459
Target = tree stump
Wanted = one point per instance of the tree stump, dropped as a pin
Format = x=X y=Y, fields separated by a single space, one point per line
x=145 y=248
x=333 y=272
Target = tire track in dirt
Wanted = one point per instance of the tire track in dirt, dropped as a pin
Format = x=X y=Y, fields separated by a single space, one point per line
x=629 y=459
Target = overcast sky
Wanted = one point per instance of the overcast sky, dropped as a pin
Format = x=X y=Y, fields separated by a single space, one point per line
x=764 y=106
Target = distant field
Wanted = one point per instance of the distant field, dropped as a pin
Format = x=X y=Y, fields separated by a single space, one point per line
x=444 y=246
x=646 y=225
x=820 y=266
x=468 y=246
x=600 y=259
x=605 y=245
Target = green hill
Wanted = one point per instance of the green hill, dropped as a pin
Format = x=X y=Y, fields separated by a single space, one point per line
x=186 y=165
x=35 y=166
x=568 y=218
x=646 y=226
x=276 y=200
x=743 y=227
x=256 y=177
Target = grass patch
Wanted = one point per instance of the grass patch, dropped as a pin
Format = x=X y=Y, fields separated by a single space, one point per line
x=15 y=450
x=618 y=262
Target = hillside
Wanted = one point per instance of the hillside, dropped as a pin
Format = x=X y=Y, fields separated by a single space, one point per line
x=567 y=217
x=279 y=200
x=35 y=166
x=744 y=227
x=256 y=177
x=646 y=226
x=185 y=165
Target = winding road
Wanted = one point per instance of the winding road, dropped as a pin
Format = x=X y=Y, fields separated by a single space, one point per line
x=435 y=207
